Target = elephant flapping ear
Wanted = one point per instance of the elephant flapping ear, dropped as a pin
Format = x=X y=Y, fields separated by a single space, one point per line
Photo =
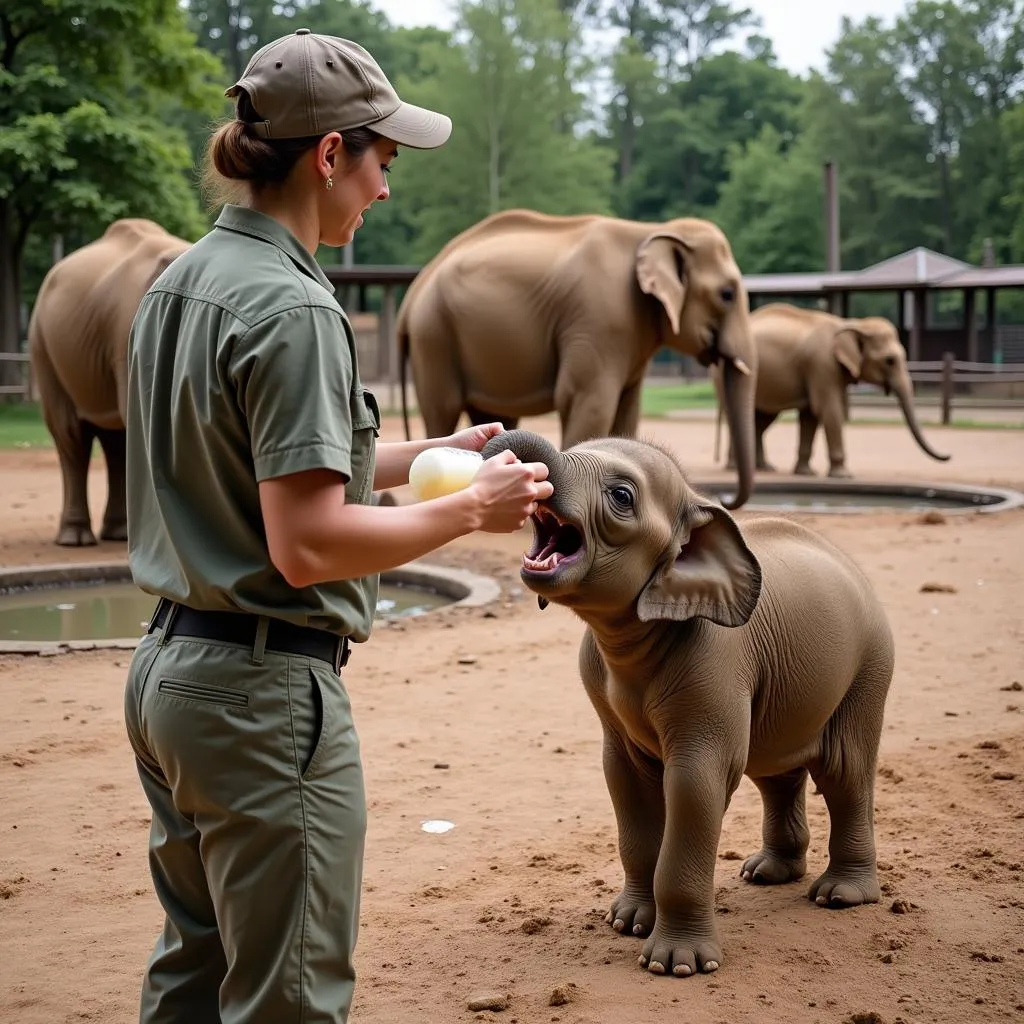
x=660 y=272
x=849 y=351
x=709 y=573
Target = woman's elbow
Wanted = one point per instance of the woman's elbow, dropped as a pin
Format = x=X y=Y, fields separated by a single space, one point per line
x=293 y=563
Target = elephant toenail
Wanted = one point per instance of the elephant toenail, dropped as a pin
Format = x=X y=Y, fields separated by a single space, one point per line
x=711 y=965
x=821 y=901
x=638 y=929
x=619 y=924
x=656 y=968
x=642 y=960
x=681 y=971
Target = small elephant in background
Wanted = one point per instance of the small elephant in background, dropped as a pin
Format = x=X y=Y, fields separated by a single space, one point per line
x=807 y=359
x=710 y=653
x=78 y=346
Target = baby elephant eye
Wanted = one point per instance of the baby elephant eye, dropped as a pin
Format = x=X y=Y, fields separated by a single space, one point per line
x=622 y=496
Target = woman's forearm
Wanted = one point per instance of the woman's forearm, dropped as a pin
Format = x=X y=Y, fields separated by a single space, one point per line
x=331 y=540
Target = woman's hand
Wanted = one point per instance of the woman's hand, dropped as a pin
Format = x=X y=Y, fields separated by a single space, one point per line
x=474 y=438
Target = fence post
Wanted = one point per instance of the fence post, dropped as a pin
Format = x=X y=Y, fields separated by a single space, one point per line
x=947 y=386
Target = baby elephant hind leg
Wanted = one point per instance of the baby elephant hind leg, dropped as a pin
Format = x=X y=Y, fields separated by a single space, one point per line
x=785 y=836
x=846 y=778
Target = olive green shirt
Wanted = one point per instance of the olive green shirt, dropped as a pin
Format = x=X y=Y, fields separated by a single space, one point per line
x=241 y=367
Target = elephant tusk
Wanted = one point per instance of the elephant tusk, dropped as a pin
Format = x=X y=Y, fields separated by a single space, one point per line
x=741 y=366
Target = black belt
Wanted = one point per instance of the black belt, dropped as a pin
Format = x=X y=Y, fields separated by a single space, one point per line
x=240 y=628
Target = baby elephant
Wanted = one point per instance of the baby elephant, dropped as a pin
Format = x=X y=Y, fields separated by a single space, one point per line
x=711 y=653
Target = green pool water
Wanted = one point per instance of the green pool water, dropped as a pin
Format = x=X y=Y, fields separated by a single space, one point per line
x=105 y=611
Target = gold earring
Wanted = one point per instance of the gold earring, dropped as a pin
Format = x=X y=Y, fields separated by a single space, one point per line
x=329 y=183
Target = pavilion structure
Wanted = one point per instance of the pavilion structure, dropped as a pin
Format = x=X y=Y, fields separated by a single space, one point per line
x=912 y=276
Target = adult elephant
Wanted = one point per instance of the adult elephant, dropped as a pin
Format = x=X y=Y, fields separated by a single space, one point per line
x=526 y=313
x=807 y=359
x=78 y=344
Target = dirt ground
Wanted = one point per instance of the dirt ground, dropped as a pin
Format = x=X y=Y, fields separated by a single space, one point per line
x=478 y=716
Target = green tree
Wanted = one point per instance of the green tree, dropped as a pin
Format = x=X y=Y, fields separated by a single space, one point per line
x=938 y=43
x=500 y=81
x=681 y=157
x=85 y=88
x=857 y=115
x=1012 y=137
x=771 y=206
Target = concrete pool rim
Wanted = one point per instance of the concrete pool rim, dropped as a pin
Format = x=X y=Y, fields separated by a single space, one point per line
x=997 y=498
x=466 y=589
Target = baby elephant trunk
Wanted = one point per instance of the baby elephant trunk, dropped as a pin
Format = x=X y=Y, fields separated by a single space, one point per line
x=528 y=447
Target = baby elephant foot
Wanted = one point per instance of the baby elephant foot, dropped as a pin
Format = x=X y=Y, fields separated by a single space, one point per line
x=765 y=868
x=840 y=473
x=681 y=954
x=632 y=914
x=803 y=469
x=845 y=888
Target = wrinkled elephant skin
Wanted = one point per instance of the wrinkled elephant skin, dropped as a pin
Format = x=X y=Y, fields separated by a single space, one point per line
x=703 y=659
x=525 y=313
x=807 y=359
x=78 y=344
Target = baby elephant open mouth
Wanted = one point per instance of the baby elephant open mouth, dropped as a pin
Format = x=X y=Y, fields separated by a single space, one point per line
x=556 y=543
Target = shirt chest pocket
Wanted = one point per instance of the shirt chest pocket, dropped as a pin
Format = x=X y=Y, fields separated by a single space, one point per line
x=365 y=415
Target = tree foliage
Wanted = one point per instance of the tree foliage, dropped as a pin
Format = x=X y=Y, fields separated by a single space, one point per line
x=85 y=87
x=647 y=109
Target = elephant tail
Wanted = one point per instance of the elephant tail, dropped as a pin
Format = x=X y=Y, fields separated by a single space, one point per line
x=402 y=337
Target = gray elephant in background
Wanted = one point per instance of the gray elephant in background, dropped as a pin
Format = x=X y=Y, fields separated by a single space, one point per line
x=710 y=653
x=78 y=344
x=526 y=313
x=807 y=360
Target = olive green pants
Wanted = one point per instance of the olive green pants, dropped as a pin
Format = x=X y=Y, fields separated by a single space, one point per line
x=252 y=768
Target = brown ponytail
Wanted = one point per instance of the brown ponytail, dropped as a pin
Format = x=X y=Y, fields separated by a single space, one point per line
x=239 y=163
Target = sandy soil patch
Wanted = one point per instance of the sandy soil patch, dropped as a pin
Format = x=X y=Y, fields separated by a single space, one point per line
x=511 y=901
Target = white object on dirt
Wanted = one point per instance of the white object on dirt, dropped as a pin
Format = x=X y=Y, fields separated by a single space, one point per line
x=437 y=826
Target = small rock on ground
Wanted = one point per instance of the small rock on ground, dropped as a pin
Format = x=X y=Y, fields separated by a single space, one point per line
x=561 y=995
x=496 y=1001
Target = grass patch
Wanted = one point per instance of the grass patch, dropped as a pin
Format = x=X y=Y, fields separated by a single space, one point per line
x=22 y=426
x=659 y=399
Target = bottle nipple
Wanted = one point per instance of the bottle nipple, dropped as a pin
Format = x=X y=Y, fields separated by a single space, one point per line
x=436 y=472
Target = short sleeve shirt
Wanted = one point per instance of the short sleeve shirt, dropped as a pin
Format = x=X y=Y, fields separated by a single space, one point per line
x=242 y=367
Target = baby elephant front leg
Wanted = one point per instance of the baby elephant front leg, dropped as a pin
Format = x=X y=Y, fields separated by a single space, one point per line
x=636 y=791
x=685 y=939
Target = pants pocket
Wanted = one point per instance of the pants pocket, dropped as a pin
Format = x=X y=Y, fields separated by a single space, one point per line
x=310 y=715
x=188 y=689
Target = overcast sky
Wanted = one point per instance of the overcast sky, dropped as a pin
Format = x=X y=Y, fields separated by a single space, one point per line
x=801 y=30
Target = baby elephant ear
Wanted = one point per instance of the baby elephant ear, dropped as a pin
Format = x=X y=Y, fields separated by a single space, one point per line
x=712 y=575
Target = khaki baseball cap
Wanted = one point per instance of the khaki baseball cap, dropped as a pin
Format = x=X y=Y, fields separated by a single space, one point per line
x=309 y=84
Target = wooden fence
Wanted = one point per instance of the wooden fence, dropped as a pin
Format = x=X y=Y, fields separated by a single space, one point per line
x=24 y=389
x=949 y=372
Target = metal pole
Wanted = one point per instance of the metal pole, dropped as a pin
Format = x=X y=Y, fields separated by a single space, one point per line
x=832 y=261
x=947 y=386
